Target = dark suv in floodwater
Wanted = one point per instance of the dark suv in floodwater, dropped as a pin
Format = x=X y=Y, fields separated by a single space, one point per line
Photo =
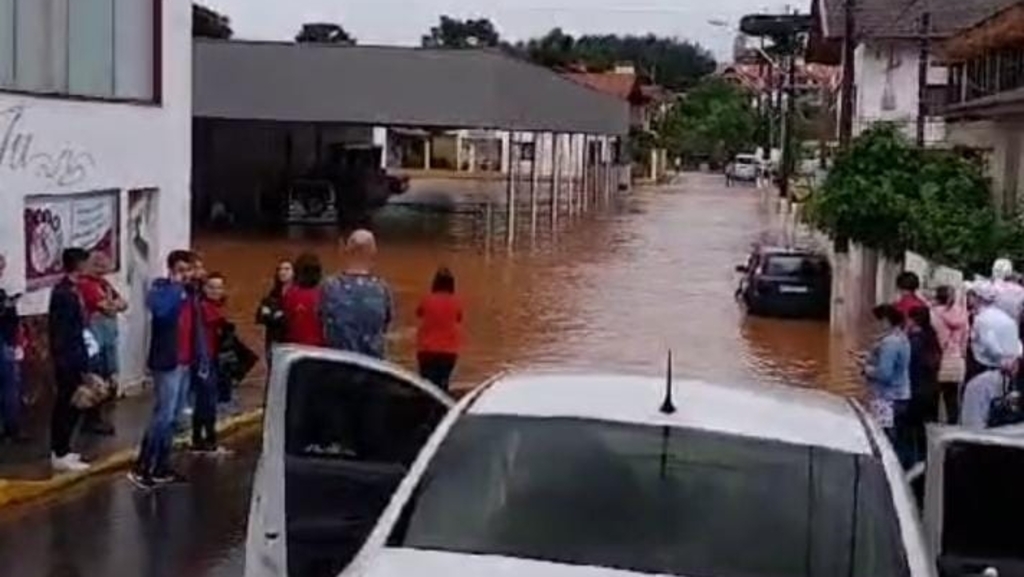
x=786 y=282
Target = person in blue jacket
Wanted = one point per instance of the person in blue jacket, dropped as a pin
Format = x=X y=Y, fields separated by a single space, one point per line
x=66 y=324
x=887 y=371
x=171 y=350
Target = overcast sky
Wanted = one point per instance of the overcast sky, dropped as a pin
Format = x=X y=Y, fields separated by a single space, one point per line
x=404 y=21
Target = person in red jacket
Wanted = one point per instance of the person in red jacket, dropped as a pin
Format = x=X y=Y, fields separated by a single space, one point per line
x=439 y=337
x=301 y=304
x=210 y=309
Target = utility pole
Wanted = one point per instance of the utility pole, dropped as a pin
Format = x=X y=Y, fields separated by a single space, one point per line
x=849 y=47
x=922 y=76
x=789 y=113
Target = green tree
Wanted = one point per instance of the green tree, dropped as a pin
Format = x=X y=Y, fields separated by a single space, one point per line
x=207 y=23
x=888 y=195
x=324 y=33
x=455 y=33
x=714 y=121
x=672 y=63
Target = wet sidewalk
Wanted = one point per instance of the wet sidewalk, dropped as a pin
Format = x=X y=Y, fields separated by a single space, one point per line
x=25 y=471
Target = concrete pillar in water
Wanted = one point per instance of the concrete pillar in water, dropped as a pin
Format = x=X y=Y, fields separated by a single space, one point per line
x=510 y=193
x=556 y=140
x=839 y=317
x=586 y=173
x=534 y=176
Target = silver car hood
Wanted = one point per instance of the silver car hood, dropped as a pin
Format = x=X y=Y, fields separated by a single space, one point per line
x=394 y=562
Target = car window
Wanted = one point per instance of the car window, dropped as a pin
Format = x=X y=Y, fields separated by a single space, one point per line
x=652 y=499
x=747 y=160
x=794 y=266
x=344 y=411
x=983 y=502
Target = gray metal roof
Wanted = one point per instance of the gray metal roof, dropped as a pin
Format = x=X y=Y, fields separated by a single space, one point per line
x=394 y=86
x=901 y=18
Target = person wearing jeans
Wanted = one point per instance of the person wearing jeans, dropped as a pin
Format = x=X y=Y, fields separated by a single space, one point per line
x=170 y=360
x=66 y=323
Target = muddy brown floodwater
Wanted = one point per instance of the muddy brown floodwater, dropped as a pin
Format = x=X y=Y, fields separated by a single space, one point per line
x=613 y=290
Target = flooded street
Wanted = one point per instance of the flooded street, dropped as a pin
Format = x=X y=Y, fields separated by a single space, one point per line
x=613 y=290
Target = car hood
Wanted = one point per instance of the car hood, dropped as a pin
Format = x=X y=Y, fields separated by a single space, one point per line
x=394 y=562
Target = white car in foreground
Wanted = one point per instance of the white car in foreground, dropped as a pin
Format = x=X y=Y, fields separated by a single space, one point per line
x=368 y=471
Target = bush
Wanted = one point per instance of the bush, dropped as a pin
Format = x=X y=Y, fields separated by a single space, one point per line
x=890 y=196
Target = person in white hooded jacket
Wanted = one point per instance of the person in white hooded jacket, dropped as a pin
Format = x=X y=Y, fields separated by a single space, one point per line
x=1009 y=293
x=996 y=345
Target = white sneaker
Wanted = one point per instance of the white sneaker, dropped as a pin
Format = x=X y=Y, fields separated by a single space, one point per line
x=69 y=463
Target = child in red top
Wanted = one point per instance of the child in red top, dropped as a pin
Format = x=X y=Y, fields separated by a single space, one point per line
x=301 y=304
x=439 y=337
x=210 y=306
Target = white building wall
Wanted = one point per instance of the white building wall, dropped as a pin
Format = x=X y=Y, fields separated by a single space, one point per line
x=886 y=77
x=54 y=146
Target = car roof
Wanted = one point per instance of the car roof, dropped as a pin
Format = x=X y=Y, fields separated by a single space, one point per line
x=786 y=414
x=788 y=251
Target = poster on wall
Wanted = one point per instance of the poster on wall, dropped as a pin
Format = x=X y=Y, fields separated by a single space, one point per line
x=140 y=257
x=54 y=223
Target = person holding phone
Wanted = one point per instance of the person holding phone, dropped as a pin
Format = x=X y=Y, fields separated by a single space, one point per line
x=11 y=353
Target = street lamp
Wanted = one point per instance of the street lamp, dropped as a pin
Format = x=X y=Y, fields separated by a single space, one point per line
x=760 y=49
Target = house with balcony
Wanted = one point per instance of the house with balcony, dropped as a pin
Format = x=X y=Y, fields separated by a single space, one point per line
x=648 y=104
x=95 y=144
x=985 y=110
x=886 y=57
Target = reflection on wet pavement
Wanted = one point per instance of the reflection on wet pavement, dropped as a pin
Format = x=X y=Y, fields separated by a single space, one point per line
x=614 y=290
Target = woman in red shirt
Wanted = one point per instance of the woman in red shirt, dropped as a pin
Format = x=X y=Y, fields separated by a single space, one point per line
x=439 y=337
x=301 y=304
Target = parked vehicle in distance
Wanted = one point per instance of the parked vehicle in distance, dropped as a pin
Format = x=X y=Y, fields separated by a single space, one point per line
x=368 y=471
x=786 y=282
x=745 y=167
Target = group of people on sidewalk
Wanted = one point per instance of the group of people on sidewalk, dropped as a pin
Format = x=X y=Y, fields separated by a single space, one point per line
x=350 y=311
x=82 y=335
x=959 y=351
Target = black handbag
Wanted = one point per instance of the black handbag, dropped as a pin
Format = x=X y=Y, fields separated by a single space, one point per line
x=1007 y=408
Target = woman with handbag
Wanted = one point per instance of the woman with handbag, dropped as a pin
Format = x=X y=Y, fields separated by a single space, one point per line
x=952 y=325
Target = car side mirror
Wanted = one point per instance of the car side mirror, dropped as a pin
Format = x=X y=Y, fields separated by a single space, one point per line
x=741 y=268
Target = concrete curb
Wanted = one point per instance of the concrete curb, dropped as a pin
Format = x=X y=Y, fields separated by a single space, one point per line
x=19 y=492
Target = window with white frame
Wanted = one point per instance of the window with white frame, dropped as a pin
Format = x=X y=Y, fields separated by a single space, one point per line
x=89 y=48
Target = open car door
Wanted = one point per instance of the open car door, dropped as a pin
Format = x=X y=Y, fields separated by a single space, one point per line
x=340 y=432
x=974 y=501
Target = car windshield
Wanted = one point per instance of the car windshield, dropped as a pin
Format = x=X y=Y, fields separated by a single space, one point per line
x=653 y=499
x=745 y=160
x=796 y=265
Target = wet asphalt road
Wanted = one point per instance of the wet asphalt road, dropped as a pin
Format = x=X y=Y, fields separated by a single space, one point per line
x=108 y=529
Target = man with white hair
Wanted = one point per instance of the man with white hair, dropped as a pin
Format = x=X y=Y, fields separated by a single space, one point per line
x=996 y=345
x=355 y=306
x=1009 y=293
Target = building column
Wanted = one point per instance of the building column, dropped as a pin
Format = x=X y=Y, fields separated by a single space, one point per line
x=555 y=182
x=426 y=152
x=510 y=194
x=534 y=176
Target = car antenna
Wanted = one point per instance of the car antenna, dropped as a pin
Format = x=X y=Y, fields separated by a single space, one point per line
x=667 y=406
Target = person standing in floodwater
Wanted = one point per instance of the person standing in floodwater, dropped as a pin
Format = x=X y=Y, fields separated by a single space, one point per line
x=356 y=305
x=439 y=336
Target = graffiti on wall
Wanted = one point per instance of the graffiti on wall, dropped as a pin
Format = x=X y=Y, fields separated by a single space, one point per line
x=20 y=151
